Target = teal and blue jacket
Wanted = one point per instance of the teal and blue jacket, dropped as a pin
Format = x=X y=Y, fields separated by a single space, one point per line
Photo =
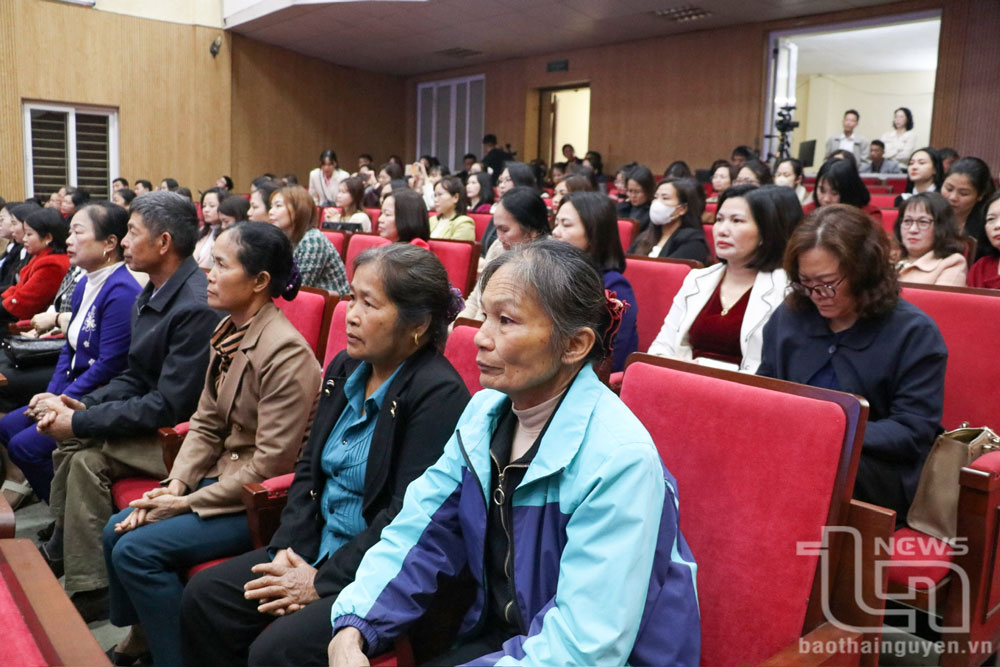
x=602 y=573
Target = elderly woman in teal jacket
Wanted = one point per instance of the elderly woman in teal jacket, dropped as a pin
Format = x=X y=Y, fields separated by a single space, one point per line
x=550 y=492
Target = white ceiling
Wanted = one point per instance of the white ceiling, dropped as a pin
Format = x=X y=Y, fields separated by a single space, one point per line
x=402 y=37
x=904 y=47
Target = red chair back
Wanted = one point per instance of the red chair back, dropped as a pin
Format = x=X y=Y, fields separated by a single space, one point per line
x=460 y=350
x=338 y=239
x=460 y=259
x=310 y=312
x=889 y=216
x=883 y=201
x=336 y=339
x=357 y=244
x=374 y=214
x=709 y=231
x=482 y=221
x=745 y=564
x=628 y=229
x=968 y=320
x=655 y=282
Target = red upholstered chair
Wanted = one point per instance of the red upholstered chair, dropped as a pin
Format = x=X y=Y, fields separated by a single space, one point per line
x=761 y=467
x=710 y=240
x=967 y=318
x=628 y=229
x=957 y=586
x=336 y=339
x=374 y=214
x=883 y=201
x=460 y=259
x=310 y=311
x=461 y=352
x=889 y=216
x=712 y=207
x=655 y=281
x=338 y=239
x=879 y=189
x=482 y=221
x=357 y=244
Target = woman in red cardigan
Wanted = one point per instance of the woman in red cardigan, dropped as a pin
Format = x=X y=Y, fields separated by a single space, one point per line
x=38 y=281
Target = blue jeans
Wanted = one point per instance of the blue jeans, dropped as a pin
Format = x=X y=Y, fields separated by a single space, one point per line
x=147 y=569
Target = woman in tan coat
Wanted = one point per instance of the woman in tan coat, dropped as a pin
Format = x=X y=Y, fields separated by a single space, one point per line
x=252 y=420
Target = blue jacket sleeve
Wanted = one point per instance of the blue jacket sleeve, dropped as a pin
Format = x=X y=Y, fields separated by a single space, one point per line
x=115 y=335
x=385 y=598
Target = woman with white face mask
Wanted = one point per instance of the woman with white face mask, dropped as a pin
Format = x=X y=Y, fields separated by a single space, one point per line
x=675 y=223
x=789 y=175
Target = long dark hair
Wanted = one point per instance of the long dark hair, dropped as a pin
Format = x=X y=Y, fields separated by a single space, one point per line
x=411 y=215
x=600 y=223
x=935 y=162
x=843 y=177
x=687 y=195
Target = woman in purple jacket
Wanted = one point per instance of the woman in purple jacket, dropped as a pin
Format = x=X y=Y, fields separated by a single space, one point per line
x=97 y=340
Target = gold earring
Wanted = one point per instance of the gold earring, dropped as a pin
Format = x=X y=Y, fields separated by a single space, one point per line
x=416 y=339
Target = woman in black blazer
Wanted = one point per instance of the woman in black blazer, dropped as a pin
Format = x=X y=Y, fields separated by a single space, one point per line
x=392 y=391
x=676 y=231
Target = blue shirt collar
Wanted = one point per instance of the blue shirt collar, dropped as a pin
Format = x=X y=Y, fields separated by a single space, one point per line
x=354 y=390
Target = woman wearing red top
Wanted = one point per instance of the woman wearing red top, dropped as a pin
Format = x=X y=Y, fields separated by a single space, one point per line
x=38 y=281
x=986 y=271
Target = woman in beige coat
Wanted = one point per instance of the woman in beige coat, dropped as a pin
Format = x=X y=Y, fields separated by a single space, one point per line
x=931 y=242
x=251 y=422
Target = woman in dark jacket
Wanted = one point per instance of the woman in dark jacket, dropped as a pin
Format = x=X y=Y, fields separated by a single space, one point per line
x=392 y=400
x=844 y=327
x=639 y=188
x=675 y=214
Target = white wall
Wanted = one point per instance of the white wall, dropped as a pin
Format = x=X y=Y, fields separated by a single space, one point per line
x=192 y=12
x=823 y=99
x=572 y=121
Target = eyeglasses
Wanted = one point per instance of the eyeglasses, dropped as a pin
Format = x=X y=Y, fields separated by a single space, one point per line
x=923 y=224
x=822 y=291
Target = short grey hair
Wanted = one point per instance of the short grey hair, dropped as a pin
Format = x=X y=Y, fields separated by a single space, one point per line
x=566 y=283
x=171 y=213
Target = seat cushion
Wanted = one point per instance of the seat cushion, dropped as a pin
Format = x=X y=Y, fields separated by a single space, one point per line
x=126 y=490
x=18 y=646
x=204 y=566
x=918 y=560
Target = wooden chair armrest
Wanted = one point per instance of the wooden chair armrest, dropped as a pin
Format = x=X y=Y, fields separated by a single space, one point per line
x=7 y=521
x=19 y=327
x=170 y=441
x=815 y=649
x=263 y=511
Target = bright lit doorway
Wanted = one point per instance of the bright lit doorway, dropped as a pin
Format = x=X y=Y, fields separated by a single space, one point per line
x=872 y=66
x=564 y=118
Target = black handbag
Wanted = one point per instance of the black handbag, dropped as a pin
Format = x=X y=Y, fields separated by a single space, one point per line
x=25 y=352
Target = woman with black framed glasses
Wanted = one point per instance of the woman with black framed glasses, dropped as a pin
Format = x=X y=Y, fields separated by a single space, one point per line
x=931 y=241
x=844 y=327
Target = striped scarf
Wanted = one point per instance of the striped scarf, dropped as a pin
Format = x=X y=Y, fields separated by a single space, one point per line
x=226 y=340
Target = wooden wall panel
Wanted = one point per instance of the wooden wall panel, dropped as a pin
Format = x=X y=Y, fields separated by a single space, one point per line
x=287 y=108
x=173 y=98
x=694 y=96
x=11 y=176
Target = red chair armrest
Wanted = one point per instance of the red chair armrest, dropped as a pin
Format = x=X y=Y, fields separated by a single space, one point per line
x=171 y=440
x=19 y=326
x=264 y=502
x=401 y=654
x=987 y=463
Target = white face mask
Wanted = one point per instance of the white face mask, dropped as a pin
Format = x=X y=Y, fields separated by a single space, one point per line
x=660 y=213
x=786 y=181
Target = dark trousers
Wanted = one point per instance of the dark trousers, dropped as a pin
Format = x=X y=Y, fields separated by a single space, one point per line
x=30 y=450
x=879 y=483
x=220 y=627
x=146 y=566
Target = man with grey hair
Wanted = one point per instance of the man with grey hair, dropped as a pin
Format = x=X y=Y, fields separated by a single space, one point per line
x=111 y=432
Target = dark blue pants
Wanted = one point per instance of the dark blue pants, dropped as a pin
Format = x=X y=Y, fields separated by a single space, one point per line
x=147 y=566
x=29 y=450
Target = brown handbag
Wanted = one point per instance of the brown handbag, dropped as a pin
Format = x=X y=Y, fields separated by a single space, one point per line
x=935 y=506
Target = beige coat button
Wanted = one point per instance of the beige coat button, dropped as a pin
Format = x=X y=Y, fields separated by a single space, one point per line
x=234 y=456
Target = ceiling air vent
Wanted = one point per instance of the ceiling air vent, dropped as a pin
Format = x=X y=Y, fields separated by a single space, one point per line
x=683 y=13
x=458 y=53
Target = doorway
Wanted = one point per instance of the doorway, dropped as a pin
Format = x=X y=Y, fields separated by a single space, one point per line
x=564 y=118
x=874 y=67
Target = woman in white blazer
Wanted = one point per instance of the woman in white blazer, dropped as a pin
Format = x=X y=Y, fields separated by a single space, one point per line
x=718 y=315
